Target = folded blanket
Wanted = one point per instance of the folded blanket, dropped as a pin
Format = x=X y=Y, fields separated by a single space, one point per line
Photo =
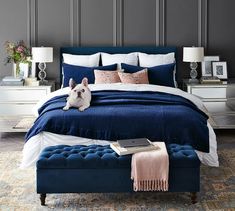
x=149 y=170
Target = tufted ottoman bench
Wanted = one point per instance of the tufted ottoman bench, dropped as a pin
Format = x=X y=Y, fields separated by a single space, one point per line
x=96 y=169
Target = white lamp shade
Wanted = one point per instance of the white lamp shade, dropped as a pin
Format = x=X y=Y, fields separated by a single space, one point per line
x=42 y=54
x=193 y=54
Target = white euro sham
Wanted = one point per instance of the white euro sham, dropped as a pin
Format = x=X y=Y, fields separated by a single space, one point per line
x=82 y=60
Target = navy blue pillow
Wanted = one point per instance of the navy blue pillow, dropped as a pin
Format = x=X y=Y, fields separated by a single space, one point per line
x=159 y=75
x=79 y=72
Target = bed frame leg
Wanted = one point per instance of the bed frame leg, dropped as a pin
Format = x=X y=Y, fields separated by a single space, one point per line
x=43 y=199
x=193 y=197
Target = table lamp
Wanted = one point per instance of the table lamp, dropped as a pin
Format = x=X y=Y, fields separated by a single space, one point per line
x=193 y=55
x=42 y=55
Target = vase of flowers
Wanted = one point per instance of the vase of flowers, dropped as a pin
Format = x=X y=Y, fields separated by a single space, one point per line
x=17 y=53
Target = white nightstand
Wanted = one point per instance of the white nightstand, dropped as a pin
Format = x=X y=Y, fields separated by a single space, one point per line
x=16 y=103
x=219 y=100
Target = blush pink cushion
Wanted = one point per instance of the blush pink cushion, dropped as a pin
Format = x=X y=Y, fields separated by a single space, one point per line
x=140 y=77
x=106 y=77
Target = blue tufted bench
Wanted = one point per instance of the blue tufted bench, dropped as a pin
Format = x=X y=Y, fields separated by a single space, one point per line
x=95 y=168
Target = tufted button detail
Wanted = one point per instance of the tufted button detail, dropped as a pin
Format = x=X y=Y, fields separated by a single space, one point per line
x=182 y=156
x=82 y=157
x=103 y=157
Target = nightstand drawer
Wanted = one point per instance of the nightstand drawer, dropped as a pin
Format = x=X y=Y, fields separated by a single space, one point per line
x=17 y=102
x=11 y=109
x=20 y=95
x=210 y=92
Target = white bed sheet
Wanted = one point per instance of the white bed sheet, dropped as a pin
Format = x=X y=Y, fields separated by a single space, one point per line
x=36 y=144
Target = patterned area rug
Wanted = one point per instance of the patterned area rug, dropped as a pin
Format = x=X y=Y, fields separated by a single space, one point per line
x=17 y=191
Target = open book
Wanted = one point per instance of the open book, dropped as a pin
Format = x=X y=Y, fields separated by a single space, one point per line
x=131 y=150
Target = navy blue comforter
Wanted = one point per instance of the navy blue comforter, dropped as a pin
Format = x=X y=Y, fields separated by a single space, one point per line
x=127 y=114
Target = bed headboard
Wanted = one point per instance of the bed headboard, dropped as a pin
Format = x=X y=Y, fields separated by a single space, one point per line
x=114 y=50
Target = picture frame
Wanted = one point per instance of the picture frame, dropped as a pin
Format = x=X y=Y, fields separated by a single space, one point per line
x=220 y=70
x=207 y=65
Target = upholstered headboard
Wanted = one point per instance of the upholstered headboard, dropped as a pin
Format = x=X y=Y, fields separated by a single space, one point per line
x=113 y=50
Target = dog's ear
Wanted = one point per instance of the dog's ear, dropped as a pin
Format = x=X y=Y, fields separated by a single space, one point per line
x=85 y=81
x=72 y=83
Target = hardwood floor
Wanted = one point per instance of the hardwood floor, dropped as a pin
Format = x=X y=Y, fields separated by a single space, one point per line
x=15 y=141
x=11 y=141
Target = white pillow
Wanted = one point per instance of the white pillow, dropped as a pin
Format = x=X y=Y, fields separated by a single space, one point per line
x=151 y=60
x=82 y=60
x=131 y=59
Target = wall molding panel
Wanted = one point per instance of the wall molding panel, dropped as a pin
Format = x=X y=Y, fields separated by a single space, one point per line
x=122 y=23
x=72 y=21
x=32 y=6
x=205 y=23
x=200 y=23
x=75 y=22
x=28 y=23
x=158 y=22
x=118 y=22
x=115 y=11
x=162 y=25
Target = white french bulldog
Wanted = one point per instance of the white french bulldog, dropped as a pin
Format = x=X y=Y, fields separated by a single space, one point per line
x=79 y=96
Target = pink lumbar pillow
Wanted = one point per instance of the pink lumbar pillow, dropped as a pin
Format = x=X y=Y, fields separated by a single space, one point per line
x=140 y=77
x=106 y=77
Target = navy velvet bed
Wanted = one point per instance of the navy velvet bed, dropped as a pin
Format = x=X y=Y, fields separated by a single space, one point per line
x=148 y=50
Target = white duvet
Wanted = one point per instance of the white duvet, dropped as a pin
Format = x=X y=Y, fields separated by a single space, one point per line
x=36 y=144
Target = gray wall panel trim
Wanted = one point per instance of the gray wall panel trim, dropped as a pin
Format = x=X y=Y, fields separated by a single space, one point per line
x=204 y=32
x=206 y=23
x=75 y=23
x=72 y=4
x=115 y=22
x=121 y=22
x=162 y=25
x=163 y=21
x=79 y=22
x=33 y=22
x=199 y=22
x=29 y=22
x=157 y=22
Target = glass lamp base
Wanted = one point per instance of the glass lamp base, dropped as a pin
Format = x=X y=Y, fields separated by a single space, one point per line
x=43 y=82
x=42 y=73
x=193 y=81
x=193 y=73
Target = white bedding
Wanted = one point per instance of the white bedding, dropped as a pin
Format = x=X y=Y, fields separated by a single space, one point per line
x=36 y=144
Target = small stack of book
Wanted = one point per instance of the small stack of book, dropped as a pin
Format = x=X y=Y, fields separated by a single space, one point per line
x=12 y=81
x=131 y=146
x=210 y=80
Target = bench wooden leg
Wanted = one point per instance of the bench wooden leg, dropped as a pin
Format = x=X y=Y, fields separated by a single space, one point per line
x=194 y=197
x=43 y=199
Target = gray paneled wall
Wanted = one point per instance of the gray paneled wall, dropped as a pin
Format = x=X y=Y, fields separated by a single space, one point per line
x=57 y=23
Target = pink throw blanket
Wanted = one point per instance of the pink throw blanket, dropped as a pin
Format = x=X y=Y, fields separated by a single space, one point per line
x=150 y=169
